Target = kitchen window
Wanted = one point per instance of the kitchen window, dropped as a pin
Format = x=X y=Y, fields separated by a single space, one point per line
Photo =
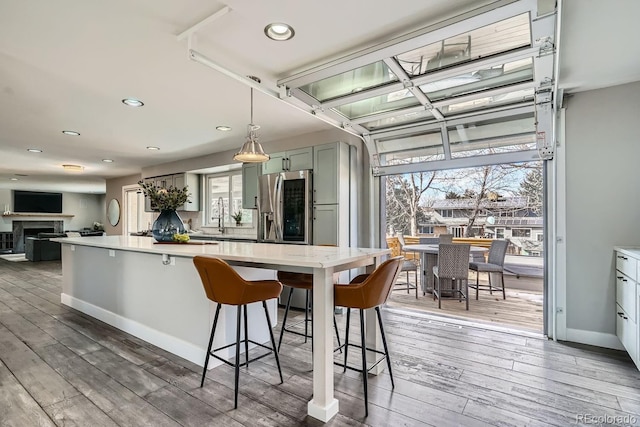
x=224 y=199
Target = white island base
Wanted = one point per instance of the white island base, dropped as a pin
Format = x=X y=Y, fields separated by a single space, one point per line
x=164 y=305
x=122 y=280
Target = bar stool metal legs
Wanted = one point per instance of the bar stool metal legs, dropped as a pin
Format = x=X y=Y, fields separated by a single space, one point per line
x=213 y=330
x=238 y=342
x=363 y=346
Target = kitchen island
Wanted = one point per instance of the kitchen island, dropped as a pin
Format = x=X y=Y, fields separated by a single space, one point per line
x=153 y=291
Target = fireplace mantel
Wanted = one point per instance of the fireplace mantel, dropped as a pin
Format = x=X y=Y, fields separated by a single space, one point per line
x=37 y=215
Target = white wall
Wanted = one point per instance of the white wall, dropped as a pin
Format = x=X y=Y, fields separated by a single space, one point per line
x=86 y=208
x=603 y=203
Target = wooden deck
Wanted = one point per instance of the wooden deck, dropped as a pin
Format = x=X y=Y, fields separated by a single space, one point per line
x=521 y=309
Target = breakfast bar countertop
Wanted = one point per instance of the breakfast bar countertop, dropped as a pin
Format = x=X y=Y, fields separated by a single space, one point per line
x=262 y=253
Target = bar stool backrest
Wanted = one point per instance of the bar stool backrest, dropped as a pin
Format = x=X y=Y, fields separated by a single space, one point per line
x=375 y=289
x=221 y=283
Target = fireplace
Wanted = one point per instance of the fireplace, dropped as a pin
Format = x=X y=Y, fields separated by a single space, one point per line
x=24 y=229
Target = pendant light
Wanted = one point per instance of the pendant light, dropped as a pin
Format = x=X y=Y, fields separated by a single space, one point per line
x=251 y=151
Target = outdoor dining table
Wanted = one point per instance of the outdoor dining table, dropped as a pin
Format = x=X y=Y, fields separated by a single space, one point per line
x=429 y=258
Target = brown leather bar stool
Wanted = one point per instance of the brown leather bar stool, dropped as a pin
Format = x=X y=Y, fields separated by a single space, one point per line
x=224 y=285
x=302 y=281
x=364 y=292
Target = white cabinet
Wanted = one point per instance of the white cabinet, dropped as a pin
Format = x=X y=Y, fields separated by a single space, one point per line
x=627 y=301
x=290 y=160
x=179 y=180
x=250 y=185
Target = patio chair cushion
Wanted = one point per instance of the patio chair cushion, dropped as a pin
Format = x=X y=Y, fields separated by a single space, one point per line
x=485 y=267
x=408 y=265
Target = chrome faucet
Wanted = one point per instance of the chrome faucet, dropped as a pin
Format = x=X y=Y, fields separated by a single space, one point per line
x=221 y=213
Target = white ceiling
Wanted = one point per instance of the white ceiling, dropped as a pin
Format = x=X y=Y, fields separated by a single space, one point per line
x=68 y=64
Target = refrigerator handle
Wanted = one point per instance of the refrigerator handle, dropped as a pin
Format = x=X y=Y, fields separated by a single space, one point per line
x=277 y=217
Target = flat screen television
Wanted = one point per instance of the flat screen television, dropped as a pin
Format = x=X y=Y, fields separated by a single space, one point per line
x=35 y=201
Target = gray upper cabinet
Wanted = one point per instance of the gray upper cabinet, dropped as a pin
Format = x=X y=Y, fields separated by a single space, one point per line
x=275 y=163
x=250 y=185
x=329 y=171
x=291 y=160
x=300 y=159
x=179 y=180
x=192 y=181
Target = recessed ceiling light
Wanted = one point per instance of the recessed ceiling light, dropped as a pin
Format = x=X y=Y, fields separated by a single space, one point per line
x=132 y=102
x=34 y=150
x=152 y=148
x=73 y=168
x=223 y=128
x=279 y=31
x=13 y=179
x=71 y=132
x=107 y=160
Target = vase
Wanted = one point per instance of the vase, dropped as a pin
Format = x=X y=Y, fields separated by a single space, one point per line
x=166 y=225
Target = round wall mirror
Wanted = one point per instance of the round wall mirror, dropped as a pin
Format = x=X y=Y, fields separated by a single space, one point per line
x=113 y=212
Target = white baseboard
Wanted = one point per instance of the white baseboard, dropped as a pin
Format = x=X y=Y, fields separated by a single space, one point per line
x=599 y=339
x=167 y=342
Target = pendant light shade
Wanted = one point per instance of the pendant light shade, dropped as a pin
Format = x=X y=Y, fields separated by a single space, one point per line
x=251 y=151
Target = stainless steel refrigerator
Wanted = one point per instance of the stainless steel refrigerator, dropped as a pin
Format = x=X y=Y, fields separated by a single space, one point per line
x=285 y=207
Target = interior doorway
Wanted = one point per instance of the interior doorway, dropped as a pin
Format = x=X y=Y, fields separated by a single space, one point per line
x=475 y=205
x=135 y=219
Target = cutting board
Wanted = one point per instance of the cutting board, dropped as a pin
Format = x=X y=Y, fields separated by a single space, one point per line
x=190 y=242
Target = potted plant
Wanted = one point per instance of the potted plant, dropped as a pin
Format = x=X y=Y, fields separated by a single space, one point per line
x=166 y=201
x=238 y=217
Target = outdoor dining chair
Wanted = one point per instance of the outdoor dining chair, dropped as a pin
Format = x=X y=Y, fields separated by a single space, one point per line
x=494 y=265
x=445 y=238
x=452 y=268
x=408 y=265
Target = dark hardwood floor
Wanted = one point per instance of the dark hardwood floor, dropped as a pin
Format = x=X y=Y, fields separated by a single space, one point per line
x=60 y=367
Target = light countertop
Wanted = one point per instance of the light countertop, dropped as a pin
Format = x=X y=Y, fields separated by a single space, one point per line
x=633 y=251
x=267 y=253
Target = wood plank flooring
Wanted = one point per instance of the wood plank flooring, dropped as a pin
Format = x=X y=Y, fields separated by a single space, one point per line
x=60 y=367
x=521 y=309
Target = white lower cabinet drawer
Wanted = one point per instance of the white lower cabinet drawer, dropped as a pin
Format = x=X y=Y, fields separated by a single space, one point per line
x=626 y=332
x=626 y=294
x=626 y=264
